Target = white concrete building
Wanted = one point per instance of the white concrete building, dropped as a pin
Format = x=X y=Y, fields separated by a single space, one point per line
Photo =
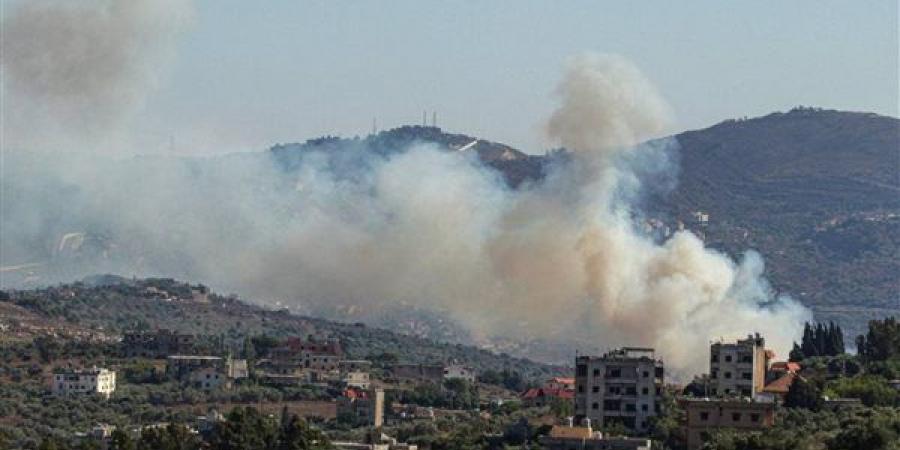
x=738 y=369
x=85 y=381
x=623 y=386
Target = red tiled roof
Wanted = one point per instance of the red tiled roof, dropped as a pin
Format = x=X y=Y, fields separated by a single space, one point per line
x=353 y=393
x=532 y=393
x=544 y=392
x=782 y=384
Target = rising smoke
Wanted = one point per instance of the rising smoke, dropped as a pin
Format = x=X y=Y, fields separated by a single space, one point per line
x=561 y=258
x=76 y=72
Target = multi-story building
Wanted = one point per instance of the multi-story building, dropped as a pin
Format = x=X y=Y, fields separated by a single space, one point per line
x=738 y=369
x=85 y=381
x=158 y=344
x=622 y=386
x=704 y=416
x=315 y=354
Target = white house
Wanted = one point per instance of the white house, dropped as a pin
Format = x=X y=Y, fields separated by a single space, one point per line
x=85 y=381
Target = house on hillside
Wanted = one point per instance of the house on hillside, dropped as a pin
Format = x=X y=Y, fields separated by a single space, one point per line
x=543 y=396
x=585 y=437
x=98 y=381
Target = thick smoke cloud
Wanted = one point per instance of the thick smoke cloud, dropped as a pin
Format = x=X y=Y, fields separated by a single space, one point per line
x=562 y=258
x=75 y=72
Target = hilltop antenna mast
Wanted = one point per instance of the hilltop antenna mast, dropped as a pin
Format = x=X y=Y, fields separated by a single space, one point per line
x=424 y=118
x=434 y=119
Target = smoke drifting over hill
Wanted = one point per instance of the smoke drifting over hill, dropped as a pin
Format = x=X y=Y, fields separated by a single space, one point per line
x=561 y=258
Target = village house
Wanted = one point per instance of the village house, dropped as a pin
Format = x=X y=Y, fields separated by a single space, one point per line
x=316 y=354
x=565 y=384
x=738 y=369
x=179 y=367
x=585 y=438
x=543 y=396
x=157 y=344
x=705 y=416
x=206 y=372
x=779 y=378
x=623 y=386
x=97 y=381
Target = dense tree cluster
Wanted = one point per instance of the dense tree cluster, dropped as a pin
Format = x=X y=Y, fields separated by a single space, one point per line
x=819 y=340
x=882 y=342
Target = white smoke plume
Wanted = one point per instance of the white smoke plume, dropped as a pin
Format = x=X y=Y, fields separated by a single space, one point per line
x=76 y=72
x=560 y=258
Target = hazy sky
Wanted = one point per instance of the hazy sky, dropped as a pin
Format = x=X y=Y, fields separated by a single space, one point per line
x=249 y=74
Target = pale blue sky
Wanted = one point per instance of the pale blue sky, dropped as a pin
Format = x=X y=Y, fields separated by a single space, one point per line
x=249 y=74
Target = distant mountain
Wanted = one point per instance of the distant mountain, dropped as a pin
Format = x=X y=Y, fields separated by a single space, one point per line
x=817 y=192
x=515 y=165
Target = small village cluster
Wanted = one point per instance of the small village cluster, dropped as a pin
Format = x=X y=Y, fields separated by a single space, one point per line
x=622 y=388
x=293 y=362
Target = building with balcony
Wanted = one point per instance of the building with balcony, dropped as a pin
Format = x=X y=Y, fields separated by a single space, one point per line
x=738 y=369
x=623 y=386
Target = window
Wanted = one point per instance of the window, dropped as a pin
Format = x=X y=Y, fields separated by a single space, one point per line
x=714 y=375
x=754 y=417
x=727 y=358
x=596 y=372
x=581 y=370
x=629 y=407
x=704 y=415
x=736 y=417
x=747 y=375
x=580 y=389
x=595 y=406
x=596 y=389
x=644 y=407
x=714 y=358
x=645 y=391
x=727 y=375
x=646 y=374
